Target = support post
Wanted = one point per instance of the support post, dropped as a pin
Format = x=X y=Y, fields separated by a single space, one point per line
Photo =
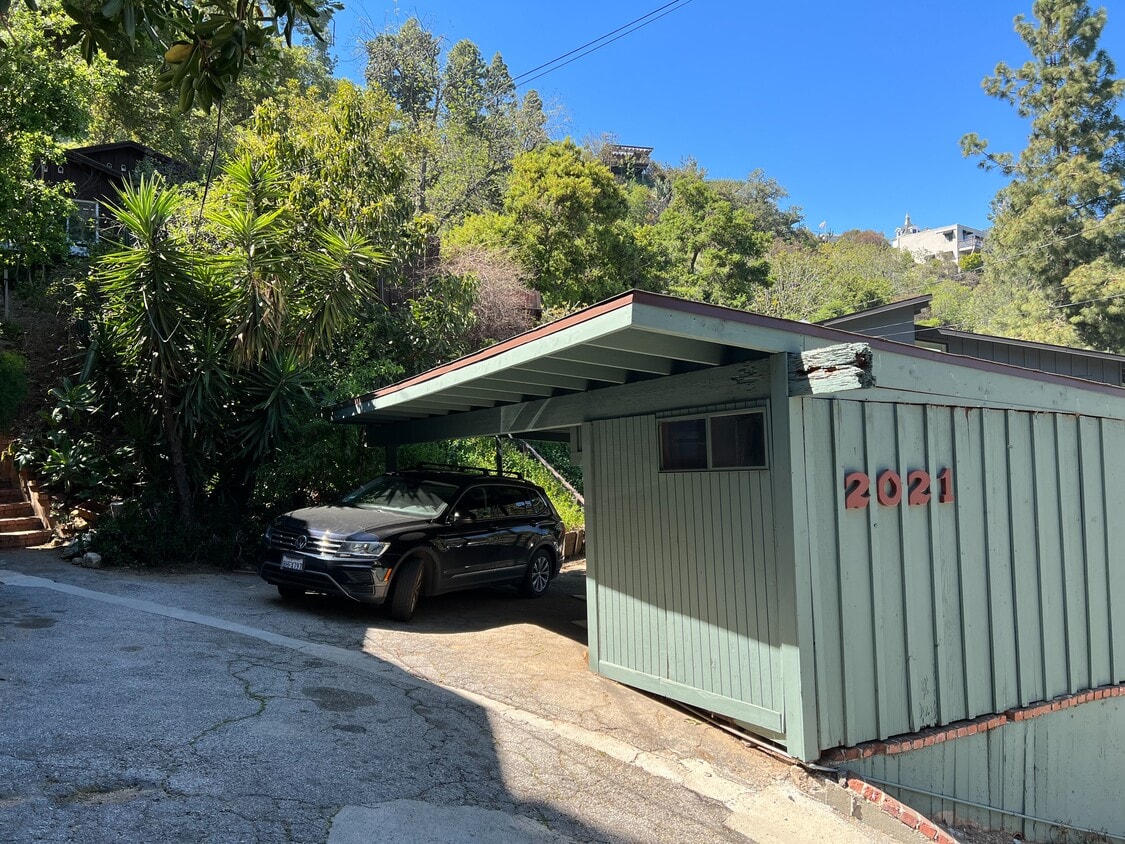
x=499 y=456
x=793 y=565
x=390 y=460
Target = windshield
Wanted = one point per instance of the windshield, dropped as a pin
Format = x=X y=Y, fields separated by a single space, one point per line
x=402 y=495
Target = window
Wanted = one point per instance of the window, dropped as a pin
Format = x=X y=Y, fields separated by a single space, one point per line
x=477 y=504
x=518 y=501
x=724 y=441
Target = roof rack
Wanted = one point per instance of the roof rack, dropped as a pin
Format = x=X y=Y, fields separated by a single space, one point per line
x=470 y=470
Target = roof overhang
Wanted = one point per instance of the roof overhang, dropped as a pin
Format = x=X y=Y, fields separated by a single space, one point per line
x=639 y=350
x=632 y=338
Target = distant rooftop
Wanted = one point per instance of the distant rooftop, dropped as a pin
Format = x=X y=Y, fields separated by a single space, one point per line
x=626 y=160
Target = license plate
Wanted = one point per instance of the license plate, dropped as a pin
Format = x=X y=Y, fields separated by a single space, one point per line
x=288 y=561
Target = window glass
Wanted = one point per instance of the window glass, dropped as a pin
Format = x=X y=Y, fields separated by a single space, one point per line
x=518 y=501
x=683 y=444
x=402 y=495
x=738 y=441
x=477 y=503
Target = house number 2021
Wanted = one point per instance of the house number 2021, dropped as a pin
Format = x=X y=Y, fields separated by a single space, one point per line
x=889 y=488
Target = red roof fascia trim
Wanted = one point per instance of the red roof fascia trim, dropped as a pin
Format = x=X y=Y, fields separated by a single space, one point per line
x=498 y=349
x=659 y=300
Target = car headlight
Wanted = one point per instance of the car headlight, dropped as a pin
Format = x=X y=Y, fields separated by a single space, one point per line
x=268 y=535
x=364 y=548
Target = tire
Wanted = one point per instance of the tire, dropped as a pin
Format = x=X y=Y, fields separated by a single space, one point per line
x=290 y=593
x=538 y=576
x=407 y=590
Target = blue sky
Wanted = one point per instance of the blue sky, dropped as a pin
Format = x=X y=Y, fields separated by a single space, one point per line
x=855 y=108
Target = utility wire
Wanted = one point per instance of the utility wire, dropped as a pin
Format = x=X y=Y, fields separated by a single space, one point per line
x=651 y=17
x=595 y=41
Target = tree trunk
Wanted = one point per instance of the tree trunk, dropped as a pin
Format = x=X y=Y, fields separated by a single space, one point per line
x=185 y=503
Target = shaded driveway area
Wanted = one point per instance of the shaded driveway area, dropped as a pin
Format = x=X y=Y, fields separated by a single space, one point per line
x=200 y=707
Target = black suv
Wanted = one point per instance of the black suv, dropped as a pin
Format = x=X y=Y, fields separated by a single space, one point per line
x=425 y=531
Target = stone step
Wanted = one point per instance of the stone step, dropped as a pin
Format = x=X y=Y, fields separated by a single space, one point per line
x=8 y=496
x=24 y=538
x=20 y=523
x=16 y=509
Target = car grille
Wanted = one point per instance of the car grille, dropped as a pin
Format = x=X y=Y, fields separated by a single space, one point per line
x=318 y=544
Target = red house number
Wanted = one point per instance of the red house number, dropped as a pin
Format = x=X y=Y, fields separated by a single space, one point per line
x=889 y=488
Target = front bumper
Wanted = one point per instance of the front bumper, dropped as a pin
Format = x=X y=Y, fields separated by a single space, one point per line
x=366 y=582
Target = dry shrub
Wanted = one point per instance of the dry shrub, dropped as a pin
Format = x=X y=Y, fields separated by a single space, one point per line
x=505 y=306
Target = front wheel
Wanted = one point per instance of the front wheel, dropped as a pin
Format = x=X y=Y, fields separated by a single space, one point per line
x=407 y=590
x=538 y=576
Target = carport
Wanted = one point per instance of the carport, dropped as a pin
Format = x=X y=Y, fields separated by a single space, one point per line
x=757 y=528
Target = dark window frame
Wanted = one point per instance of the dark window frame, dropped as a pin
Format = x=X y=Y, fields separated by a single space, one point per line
x=708 y=443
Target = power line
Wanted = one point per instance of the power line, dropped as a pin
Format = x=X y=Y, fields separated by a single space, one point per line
x=595 y=41
x=641 y=22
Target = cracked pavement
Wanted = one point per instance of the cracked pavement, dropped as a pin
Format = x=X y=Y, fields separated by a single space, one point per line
x=199 y=707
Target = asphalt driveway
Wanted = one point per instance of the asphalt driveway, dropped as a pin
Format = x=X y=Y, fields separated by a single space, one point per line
x=137 y=706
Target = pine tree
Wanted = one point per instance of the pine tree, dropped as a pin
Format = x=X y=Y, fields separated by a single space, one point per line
x=1059 y=225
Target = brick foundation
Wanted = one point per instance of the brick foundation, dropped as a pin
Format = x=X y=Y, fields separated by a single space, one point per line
x=961 y=729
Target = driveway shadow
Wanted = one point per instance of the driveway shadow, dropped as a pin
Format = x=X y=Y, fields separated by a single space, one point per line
x=561 y=611
x=135 y=719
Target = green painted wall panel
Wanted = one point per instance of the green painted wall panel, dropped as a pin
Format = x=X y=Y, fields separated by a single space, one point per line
x=1094 y=546
x=683 y=588
x=1064 y=768
x=932 y=613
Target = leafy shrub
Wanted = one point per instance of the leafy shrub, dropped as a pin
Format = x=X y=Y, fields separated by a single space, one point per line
x=481 y=451
x=146 y=532
x=13 y=386
x=971 y=262
x=72 y=459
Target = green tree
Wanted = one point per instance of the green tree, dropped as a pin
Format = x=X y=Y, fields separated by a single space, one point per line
x=345 y=165
x=564 y=218
x=130 y=108
x=819 y=281
x=1064 y=207
x=464 y=119
x=203 y=47
x=44 y=99
x=208 y=346
x=762 y=197
x=714 y=251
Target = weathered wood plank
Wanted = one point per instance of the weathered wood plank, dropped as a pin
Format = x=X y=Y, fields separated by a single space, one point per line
x=972 y=573
x=1025 y=571
x=1052 y=603
x=821 y=469
x=1073 y=558
x=997 y=519
x=856 y=607
x=917 y=577
x=832 y=369
x=1092 y=466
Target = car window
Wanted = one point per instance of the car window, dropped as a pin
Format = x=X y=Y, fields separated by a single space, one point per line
x=477 y=503
x=409 y=496
x=519 y=501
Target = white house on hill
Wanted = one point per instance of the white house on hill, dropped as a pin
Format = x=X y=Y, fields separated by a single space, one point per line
x=953 y=241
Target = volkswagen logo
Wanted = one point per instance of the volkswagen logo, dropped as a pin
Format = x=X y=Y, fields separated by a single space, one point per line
x=300 y=542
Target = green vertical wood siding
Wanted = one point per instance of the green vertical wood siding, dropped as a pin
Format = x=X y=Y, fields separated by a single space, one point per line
x=1064 y=767
x=683 y=588
x=933 y=613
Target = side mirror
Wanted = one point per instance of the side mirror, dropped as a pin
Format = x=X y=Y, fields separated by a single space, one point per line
x=459 y=518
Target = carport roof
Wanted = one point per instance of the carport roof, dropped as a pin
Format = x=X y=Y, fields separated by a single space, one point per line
x=633 y=337
x=640 y=336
